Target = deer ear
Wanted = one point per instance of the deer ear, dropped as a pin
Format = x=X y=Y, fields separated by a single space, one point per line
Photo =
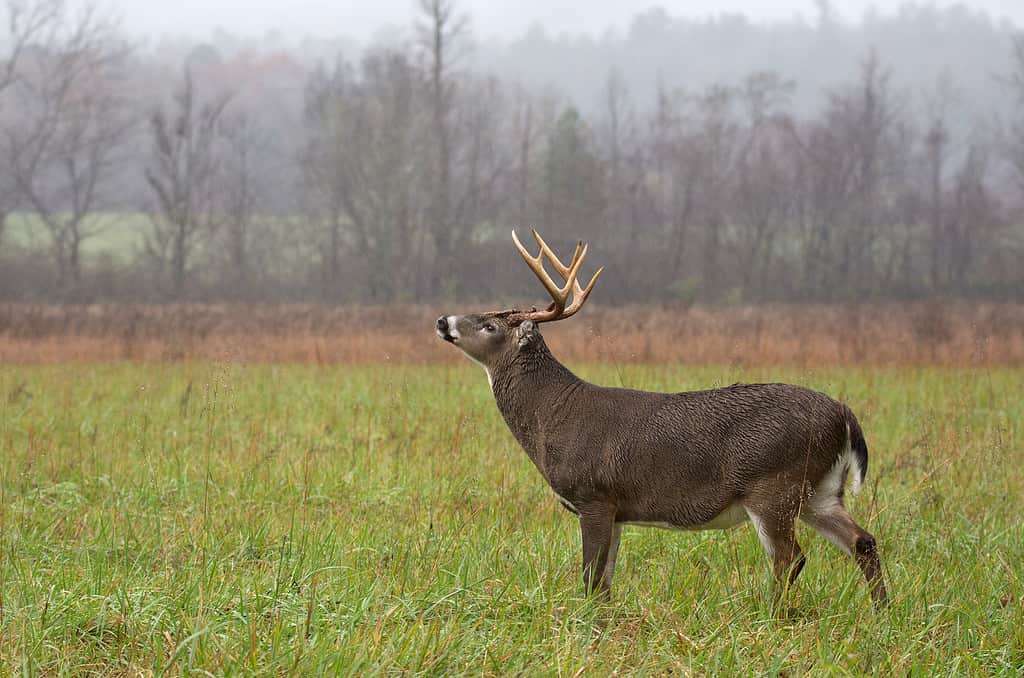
x=527 y=330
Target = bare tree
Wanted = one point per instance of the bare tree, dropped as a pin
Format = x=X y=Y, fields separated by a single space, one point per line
x=361 y=159
x=524 y=132
x=1017 y=80
x=182 y=173
x=973 y=217
x=763 y=182
x=74 y=119
x=676 y=170
x=626 y=156
x=325 y=161
x=1017 y=76
x=26 y=23
x=937 y=150
x=573 y=177
x=482 y=156
x=852 y=156
x=716 y=144
x=614 y=132
x=412 y=161
x=244 y=185
x=866 y=118
x=441 y=33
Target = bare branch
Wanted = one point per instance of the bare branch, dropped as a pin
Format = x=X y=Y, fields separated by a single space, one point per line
x=61 y=149
x=183 y=174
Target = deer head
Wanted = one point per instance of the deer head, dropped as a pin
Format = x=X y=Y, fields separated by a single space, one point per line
x=491 y=337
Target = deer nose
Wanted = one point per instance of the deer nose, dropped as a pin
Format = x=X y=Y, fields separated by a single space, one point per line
x=442 y=324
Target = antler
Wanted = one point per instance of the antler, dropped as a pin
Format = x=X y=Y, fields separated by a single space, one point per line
x=557 y=310
x=579 y=293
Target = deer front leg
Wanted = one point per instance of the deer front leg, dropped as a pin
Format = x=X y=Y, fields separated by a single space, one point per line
x=597 y=526
x=613 y=553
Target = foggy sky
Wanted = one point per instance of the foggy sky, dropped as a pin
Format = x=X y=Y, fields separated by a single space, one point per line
x=500 y=18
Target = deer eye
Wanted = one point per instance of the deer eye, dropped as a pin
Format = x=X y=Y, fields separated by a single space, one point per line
x=489 y=327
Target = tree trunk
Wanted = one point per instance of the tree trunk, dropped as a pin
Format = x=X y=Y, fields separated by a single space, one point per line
x=333 y=261
x=178 y=262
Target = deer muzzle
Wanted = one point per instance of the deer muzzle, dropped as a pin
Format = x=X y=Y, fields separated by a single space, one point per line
x=446 y=328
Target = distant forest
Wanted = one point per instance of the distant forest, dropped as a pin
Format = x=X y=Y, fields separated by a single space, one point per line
x=714 y=161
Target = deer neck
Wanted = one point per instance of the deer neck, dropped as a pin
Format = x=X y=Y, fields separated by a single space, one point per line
x=531 y=389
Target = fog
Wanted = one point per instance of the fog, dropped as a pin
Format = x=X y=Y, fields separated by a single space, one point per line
x=381 y=152
x=504 y=19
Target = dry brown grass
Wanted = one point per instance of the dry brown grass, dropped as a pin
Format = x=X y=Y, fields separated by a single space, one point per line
x=959 y=334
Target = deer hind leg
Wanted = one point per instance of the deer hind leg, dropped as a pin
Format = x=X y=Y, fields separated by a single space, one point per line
x=830 y=519
x=776 y=528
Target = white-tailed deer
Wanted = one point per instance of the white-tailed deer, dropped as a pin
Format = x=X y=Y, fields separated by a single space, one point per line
x=687 y=461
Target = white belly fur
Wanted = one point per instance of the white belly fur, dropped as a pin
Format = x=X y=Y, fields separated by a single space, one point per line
x=732 y=516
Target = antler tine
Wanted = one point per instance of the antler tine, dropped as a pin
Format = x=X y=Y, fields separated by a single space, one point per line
x=579 y=293
x=562 y=269
x=558 y=295
x=579 y=296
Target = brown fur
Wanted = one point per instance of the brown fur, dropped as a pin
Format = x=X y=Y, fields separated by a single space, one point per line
x=682 y=460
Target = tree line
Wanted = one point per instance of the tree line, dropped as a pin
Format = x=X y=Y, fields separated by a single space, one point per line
x=404 y=168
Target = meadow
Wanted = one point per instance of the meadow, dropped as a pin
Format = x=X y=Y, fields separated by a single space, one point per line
x=222 y=518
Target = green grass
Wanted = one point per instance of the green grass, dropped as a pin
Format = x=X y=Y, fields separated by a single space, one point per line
x=223 y=519
x=118 y=235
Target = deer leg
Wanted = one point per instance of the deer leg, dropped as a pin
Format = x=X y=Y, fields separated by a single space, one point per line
x=835 y=524
x=597 y=526
x=776 y=530
x=613 y=552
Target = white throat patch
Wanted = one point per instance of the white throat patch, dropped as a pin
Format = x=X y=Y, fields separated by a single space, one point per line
x=490 y=382
x=455 y=335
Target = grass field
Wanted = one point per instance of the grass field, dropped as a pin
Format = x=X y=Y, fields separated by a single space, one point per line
x=115 y=234
x=212 y=519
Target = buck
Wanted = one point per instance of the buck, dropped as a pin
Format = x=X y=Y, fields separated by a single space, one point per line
x=770 y=453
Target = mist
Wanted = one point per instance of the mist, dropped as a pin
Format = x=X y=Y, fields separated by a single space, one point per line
x=337 y=153
x=503 y=20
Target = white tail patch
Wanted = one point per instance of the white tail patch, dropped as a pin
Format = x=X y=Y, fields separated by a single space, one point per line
x=852 y=463
x=848 y=466
x=826 y=496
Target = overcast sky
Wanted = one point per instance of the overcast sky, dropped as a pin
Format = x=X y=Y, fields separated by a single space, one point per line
x=361 y=18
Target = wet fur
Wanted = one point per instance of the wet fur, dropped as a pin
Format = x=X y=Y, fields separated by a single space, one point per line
x=688 y=460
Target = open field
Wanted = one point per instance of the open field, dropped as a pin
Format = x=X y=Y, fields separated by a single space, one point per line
x=116 y=235
x=171 y=519
x=952 y=334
